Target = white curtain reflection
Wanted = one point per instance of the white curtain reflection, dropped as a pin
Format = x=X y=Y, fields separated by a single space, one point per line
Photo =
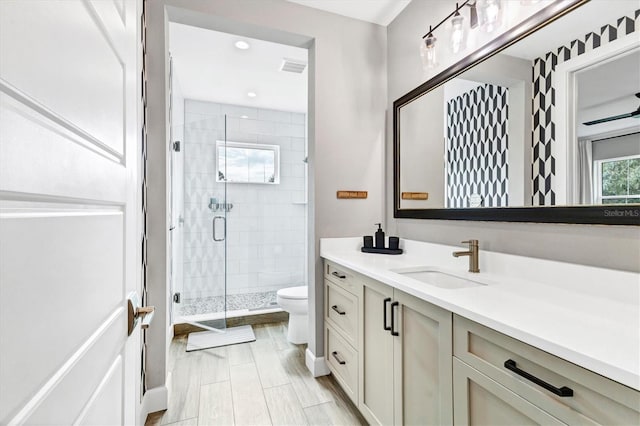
x=585 y=171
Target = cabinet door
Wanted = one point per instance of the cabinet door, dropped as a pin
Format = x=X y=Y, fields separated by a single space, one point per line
x=422 y=363
x=376 y=355
x=478 y=400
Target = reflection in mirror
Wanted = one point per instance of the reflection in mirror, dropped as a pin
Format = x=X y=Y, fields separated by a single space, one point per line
x=511 y=132
x=247 y=163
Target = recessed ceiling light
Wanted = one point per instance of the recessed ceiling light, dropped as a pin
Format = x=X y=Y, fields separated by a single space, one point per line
x=242 y=45
x=251 y=94
x=244 y=116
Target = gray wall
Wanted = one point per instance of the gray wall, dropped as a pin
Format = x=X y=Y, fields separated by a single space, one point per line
x=346 y=129
x=605 y=246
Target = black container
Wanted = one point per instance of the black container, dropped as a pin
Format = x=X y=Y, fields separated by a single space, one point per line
x=394 y=243
x=379 y=237
x=367 y=241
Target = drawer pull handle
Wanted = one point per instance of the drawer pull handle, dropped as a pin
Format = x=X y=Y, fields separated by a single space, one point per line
x=384 y=315
x=563 y=391
x=393 y=316
x=340 y=361
x=335 y=308
x=339 y=275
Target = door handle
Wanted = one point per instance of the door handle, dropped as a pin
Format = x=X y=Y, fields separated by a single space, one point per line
x=384 y=314
x=335 y=308
x=137 y=312
x=213 y=226
x=393 y=316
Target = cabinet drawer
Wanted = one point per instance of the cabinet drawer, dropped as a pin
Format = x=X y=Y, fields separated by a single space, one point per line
x=478 y=400
x=342 y=276
x=343 y=362
x=342 y=311
x=595 y=399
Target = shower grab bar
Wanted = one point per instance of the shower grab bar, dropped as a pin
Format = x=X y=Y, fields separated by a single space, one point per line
x=213 y=226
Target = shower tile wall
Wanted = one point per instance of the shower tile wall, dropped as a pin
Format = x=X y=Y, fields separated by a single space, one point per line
x=266 y=227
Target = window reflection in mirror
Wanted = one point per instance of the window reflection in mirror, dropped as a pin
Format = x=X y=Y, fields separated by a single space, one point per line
x=511 y=132
x=247 y=163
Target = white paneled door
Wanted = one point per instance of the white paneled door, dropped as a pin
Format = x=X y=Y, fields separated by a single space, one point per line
x=69 y=211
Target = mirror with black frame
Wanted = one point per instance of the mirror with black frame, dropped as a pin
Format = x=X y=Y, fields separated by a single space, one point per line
x=545 y=130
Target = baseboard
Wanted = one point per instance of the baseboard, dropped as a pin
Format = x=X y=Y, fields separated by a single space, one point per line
x=316 y=365
x=156 y=399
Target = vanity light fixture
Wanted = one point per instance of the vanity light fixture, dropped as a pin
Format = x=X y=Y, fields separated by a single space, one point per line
x=242 y=45
x=458 y=33
x=489 y=14
x=428 y=50
x=458 y=36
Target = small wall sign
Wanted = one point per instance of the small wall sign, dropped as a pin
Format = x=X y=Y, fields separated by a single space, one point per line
x=352 y=194
x=415 y=195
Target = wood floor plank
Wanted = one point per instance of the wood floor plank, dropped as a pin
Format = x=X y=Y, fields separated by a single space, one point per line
x=342 y=402
x=214 y=365
x=278 y=333
x=188 y=422
x=184 y=389
x=284 y=406
x=261 y=331
x=216 y=404
x=330 y=413
x=239 y=354
x=249 y=405
x=202 y=385
x=268 y=364
x=177 y=350
x=310 y=391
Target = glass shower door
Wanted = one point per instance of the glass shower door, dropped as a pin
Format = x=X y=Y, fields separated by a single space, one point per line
x=203 y=298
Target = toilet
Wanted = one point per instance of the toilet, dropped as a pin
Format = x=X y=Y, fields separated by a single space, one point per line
x=295 y=301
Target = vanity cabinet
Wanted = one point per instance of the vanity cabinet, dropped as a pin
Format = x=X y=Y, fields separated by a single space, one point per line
x=405 y=359
x=342 y=295
x=496 y=375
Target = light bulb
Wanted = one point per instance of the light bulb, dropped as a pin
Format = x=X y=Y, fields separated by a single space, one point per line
x=458 y=35
x=428 y=52
x=489 y=14
x=242 y=45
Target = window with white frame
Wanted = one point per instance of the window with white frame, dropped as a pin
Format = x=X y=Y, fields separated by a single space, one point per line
x=247 y=162
x=617 y=180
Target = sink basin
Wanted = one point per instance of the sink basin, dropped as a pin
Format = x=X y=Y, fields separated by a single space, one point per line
x=438 y=278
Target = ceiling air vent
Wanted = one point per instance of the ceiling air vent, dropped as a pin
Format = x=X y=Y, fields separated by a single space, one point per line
x=293 y=65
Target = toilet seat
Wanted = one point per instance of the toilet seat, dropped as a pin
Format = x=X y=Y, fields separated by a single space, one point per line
x=293 y=293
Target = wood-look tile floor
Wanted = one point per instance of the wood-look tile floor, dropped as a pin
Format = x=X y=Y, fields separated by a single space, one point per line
x=260 y=383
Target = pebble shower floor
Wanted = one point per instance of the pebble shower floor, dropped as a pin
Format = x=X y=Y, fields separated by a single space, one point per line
x=250 y=301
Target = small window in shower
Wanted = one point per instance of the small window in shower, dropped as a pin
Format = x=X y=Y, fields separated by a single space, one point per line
x=238 y=162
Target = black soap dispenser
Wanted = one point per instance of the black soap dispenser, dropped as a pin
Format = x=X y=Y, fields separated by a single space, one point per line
x=379 y=237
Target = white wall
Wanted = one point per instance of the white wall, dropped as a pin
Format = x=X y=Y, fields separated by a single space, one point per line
x=605 y=246
x=346 y=125
x=265 y=241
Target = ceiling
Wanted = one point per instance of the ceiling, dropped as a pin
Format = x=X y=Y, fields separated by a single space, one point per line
x=380 y=12
x=207 y=66
x=570 y=27
x=607 y=90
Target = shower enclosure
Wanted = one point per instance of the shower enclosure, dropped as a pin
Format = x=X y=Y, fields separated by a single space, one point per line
x=238 y=210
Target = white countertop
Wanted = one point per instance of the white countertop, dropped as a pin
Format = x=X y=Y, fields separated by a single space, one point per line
x=588 y=316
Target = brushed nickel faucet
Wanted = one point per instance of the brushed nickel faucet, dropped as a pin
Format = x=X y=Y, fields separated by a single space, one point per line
x=472 y=253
